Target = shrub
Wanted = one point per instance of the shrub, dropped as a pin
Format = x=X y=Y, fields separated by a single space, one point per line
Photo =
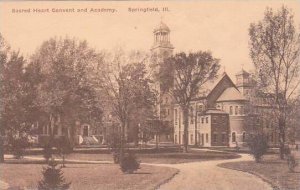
x=129 y=163
x=18 y=146
x=47 y=152
x=116 y=157
x=64 y=147
x=291 y=162
x=258 y=146
x=53 y=178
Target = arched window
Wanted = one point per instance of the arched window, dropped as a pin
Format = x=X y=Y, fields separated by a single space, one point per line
x=244 y=136
x=233 y=137
x=230 y=110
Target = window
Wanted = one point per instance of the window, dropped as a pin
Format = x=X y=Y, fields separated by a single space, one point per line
x=242 y=110
x=192 y=139
x=175 y=139
x=223 y=138
x=215 y=119
x=236 y=110
x=206 y=137
x=202 y=119
x=230 y=110
x=199 y=108
x=176 y=116
x=215 y=138
x=192 y=115
x=244 y=136
x=233 y=137
x=206 y=119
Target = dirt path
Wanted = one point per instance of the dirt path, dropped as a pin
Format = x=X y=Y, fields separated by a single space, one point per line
x=207 y=175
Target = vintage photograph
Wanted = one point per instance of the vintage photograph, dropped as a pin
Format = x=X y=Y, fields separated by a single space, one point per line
x=156 y=95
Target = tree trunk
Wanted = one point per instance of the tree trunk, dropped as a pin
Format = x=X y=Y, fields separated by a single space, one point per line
x=281 y=137
x=1 y=150
x=123 y=126
x=186 y=125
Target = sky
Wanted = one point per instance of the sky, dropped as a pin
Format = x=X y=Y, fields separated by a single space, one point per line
x=217 y=26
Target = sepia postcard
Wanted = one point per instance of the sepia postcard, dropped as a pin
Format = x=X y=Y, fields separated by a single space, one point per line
x=170 y=95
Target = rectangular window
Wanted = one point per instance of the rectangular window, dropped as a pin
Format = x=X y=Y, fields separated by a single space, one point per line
x=206 y=119
x=202 y=119
x=215 y=118
x=242 y=110
x=206 y=137
x=214 y=138
x=236 y=110
x=223 y=138
x=176 y=116
x=230 y=110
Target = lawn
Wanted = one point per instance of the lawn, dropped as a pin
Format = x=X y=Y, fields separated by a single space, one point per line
x=162 y=157
x=88 y=176
x=271 y=169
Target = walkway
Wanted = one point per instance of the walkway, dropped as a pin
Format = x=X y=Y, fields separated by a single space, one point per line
x=200 y=176
x=207 y=175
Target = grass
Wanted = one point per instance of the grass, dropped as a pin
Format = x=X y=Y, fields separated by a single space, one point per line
x=271 y=169
x=88 y=176
x=160 y=157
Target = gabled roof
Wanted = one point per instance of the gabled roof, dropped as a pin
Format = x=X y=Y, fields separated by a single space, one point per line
x=231 y=94
x=209 y=86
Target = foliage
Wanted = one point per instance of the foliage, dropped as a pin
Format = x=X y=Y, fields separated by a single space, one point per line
x=186 y=74
x=129 y=163
x=127 y=89
x=66 y=93
x=53 y=179
x=48 y=151
x=64 y=147
x=291 y=162
x=275 y=49
x=258 y=145
x=18 y=146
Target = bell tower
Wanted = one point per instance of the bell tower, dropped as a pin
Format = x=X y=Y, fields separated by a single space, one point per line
x=162 y=46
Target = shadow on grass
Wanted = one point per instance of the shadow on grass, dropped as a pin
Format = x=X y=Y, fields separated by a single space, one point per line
x=142 y=173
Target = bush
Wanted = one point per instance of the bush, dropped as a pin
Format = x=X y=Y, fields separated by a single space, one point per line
x=129 y=163
x=64 y=147
x=291 y=162
x=18 y=146
x=258 y=146
x=116 y=157
x=53 y=178
x=48 y=151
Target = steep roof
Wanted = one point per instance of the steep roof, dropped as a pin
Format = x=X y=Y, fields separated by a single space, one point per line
x=209 y=86
x=231 y=94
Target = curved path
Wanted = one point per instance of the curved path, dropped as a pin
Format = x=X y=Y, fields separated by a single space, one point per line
x=207 y=175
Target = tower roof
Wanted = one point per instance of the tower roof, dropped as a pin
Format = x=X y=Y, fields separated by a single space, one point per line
x=243 y=72
x=161 y=27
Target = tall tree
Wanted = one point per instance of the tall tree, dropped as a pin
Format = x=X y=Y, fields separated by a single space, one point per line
x=127 y=88
x=186 y=74
x=274 y=49
x=66 y=93
x=14 y=104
